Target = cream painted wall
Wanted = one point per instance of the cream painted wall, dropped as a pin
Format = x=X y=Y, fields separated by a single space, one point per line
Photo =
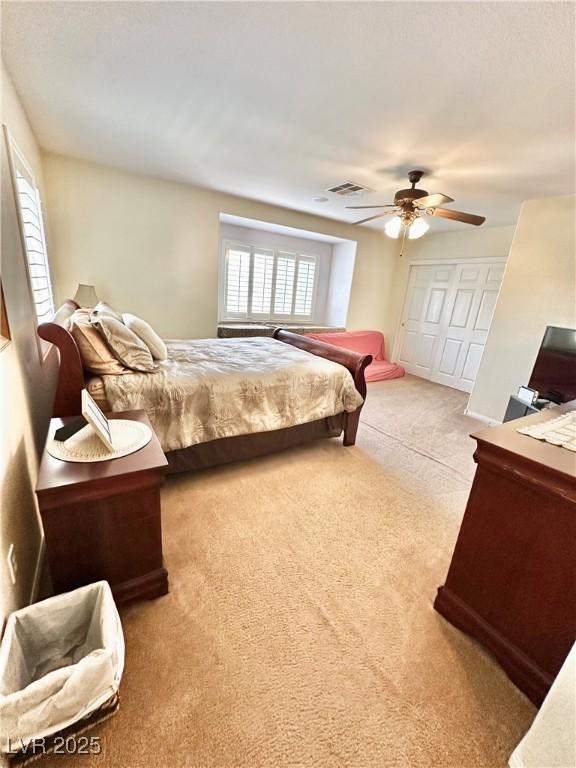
x=467 y=242
x=539 y=289
x=483 y=242
x=341 y=276
x=151 y=247
x=26 y=385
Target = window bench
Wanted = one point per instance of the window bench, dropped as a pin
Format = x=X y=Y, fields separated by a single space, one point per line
x=236 y=330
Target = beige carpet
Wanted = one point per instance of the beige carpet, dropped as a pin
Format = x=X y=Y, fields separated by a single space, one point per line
x=299 y=630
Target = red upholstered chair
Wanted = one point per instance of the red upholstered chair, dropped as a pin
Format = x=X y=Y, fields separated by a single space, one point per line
x=366 y=342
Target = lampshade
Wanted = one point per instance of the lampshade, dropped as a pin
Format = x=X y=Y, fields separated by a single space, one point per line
x=86 y=296
x=393 y=227
x=418 y=228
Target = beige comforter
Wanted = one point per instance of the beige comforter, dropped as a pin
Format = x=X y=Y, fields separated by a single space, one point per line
x=212 y=388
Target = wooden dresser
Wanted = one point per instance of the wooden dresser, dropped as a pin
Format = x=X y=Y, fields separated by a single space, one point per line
x=102 y=520
x=512 y=579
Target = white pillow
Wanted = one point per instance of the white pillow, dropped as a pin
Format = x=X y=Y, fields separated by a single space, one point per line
x=124 y=343
x=102 y=309
x=144 y=331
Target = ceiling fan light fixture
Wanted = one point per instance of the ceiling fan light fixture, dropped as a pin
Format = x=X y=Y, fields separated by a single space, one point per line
x=418 y=228
x=393 y=227
x=410 y=205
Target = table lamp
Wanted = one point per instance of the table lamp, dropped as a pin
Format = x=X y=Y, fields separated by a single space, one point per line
x=85 y=296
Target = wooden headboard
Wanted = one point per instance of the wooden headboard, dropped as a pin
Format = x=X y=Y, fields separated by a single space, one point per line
x=71 y=377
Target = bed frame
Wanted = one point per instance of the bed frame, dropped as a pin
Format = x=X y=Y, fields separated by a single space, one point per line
x=72 y=380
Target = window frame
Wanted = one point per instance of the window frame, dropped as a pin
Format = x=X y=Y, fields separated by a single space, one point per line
x=5 y=335
x=16 y=154
x=249 y=316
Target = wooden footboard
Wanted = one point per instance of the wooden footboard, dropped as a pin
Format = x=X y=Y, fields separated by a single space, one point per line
x=353 y=361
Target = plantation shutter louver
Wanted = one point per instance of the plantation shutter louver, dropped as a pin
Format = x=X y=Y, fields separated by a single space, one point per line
x=284 y=290
x=30 y=209
x=262 y=275
x=305 y=282
x=237 y=280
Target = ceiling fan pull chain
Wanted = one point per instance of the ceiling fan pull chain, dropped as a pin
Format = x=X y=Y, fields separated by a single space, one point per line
x=405 y=228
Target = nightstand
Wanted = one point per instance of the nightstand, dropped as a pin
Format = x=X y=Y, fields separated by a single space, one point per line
x=102 y=520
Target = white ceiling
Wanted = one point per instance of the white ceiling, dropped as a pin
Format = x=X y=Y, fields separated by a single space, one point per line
x=277 y=101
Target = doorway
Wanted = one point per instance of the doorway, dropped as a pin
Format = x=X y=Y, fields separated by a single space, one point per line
x=446 y=317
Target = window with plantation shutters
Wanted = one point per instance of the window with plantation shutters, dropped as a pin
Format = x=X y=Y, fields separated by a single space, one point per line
x=266 y=284
x=30 y=211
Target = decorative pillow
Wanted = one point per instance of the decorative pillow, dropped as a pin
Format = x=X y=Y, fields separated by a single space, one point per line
x=147 y=334
x=126 y=346
x=63 y=315
x=105 y=310
x=96 y=356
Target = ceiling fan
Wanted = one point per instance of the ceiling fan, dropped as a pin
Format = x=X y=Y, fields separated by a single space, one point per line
x=409 y=207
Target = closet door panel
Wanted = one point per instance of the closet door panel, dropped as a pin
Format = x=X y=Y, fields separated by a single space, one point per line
x=449 y=358
x=446 y=318
x=472 y=362
x=424 y=309
x=486 y=310
x=471 y=306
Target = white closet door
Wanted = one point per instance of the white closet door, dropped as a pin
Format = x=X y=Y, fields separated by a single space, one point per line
x=421 y=329
x=468 y=317
x=445 y=320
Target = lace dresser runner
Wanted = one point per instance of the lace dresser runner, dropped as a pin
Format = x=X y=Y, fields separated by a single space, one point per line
x=559 y=431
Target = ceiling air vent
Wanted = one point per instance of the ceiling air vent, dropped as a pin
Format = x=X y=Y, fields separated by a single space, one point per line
x=349 y=189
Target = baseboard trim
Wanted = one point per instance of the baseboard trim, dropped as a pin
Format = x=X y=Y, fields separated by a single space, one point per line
x=520 y=668
x=482 y=418
x=148 y=586
x=38 y=571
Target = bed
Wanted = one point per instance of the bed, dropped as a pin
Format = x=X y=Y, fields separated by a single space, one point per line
x=222 y=400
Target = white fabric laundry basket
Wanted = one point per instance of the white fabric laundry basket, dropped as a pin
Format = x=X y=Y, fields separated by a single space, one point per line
x=551 y=740
x=60 y=660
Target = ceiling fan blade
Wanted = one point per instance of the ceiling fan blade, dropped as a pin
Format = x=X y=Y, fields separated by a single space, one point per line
x=430 y=201
x=371 y=218
x=391 y=205
x=466 y=218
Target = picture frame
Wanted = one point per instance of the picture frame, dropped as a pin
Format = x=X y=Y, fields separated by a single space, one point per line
x=527 y=395
x=96 y=419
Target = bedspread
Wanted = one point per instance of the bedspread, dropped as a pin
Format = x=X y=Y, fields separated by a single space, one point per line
x=213 y=388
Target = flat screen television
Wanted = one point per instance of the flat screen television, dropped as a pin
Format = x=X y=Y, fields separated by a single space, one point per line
x=554 y=374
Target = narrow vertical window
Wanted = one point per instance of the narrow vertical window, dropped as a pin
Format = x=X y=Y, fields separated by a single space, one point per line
x=32 y=227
